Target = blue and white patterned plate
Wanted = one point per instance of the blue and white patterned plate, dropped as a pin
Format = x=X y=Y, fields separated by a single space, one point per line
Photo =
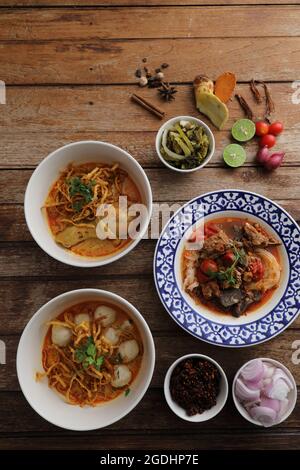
x=224 y=330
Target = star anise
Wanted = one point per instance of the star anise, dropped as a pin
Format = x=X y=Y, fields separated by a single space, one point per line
x=167 y=92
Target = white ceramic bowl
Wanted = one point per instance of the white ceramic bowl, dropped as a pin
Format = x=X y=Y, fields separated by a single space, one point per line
x=48 y=171
x=206 y=415
x=49 y=404
x=185 y=118
x=292 y=395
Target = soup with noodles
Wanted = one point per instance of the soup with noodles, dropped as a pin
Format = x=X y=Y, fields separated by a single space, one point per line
x=72 y=203
x=92 y=353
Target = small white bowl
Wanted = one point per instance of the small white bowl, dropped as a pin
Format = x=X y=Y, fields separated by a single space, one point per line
x=292 y=395
x=49 y=404
x=48 y=171
x=206 y=415
x=185 y=118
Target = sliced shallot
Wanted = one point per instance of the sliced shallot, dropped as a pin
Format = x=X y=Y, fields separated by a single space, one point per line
x=277 y=389
x=264 y=415
x=253 y=371
x=244 y=393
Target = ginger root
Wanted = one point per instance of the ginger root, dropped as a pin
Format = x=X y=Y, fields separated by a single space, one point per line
x=208 y=103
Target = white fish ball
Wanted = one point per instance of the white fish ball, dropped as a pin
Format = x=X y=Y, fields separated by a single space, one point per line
x=122 y=376
x=128 y=350
x=82 y=317
x=111 y=336
x=61 y=335
x=105 y=314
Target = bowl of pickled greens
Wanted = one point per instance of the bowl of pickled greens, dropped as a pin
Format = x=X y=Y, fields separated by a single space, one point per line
x=185 y=144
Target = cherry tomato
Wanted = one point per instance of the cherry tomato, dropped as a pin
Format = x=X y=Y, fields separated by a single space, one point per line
x=201 y=277
x=276 y=128
x=229 y=258
x=208 y=266
x=267 y=140
x=209 y=230
x=262 y=128
x=257 y=269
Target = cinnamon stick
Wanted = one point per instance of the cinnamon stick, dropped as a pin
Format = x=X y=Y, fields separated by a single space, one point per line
x=148 y=105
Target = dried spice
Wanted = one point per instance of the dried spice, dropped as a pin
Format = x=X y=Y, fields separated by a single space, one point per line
x=167 y=91
x=153 y=82
x=195 y=385
x=270 y=107
x=156 y=80
x=244 y=105
x=148 y=105
x=143 y=81
x=255 y=92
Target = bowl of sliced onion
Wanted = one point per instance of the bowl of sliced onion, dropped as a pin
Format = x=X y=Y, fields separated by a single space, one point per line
x=264 y=392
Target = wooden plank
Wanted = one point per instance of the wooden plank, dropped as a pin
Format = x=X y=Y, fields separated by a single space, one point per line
x=162 y=420
x=279 y=348
x=115 y=61
x=21 y=298
x=101 y=109
x=27 y=296
x=142 y=23
x=37 y=145
x=14 y=229
x=29 y=260
x=99 y=440
x=184 y=188
x=132 y=3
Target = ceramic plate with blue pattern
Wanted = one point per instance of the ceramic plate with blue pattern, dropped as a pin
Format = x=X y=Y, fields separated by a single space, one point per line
x=257 y=326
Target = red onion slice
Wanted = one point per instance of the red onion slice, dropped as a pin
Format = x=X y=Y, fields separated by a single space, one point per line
x=253 y=371
x=264 y=415
x=277 y=389
x=280 y=374
x=244 y=393
x=271 y=403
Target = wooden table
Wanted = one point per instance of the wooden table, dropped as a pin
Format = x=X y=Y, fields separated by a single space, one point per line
x=69 y=72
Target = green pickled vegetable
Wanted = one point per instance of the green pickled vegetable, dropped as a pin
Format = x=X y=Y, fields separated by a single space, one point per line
x=185 y=145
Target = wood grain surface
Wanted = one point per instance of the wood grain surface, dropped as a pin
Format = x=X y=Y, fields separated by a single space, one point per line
x=69 y=71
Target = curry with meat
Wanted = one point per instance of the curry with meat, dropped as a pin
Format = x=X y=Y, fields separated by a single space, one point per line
x=236 y=270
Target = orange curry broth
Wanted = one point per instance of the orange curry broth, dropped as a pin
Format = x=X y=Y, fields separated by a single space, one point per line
x=102 y=247
x=89 y=308
x=225 y=223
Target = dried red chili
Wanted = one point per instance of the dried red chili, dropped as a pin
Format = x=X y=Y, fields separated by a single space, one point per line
x=195 y=385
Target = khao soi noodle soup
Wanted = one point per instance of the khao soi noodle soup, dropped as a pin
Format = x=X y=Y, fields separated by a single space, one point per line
x=92 y=353
x=72 y=203
x=237 y=269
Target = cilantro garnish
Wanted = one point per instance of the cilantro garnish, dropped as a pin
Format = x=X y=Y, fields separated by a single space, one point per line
x=86 y=354
x=127 y=391
x=228 y=274
x=78 y=188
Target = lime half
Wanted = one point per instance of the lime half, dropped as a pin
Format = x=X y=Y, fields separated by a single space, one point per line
x=243 y=130
x=234 y=155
